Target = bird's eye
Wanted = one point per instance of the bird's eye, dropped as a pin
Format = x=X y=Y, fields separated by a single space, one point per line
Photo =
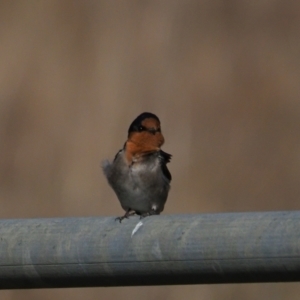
x=141 y=128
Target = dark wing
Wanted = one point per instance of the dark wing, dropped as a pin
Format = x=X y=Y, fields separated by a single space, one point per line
x=164 y=159
x=117 y=154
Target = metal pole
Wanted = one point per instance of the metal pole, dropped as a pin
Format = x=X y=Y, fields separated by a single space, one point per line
x=157 y=250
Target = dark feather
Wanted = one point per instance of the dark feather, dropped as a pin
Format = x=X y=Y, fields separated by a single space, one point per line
x=165 y=158
x=117 y=154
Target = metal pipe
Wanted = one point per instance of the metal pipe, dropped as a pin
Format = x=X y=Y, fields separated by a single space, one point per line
x=157 y=250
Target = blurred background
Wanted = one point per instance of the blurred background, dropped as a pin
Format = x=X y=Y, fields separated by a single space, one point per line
x=223 y=77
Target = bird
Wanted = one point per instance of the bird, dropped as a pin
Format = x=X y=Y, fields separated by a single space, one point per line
x=139 y=174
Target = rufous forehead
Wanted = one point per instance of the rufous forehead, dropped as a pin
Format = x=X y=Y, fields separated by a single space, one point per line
x=151 y=123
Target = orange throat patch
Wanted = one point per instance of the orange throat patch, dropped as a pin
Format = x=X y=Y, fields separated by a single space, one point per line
x=142 y=143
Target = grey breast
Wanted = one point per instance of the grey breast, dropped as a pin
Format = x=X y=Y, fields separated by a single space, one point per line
x=141 y=186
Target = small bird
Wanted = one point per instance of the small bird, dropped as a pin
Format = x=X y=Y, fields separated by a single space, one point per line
x=139 y=174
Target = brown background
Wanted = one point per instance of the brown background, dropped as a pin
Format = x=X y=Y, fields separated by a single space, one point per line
x=223 y=76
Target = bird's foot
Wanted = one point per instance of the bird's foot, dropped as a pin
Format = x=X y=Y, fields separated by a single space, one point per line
x=126 y=216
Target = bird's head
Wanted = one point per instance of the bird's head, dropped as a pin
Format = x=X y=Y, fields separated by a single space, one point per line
x=144 y=134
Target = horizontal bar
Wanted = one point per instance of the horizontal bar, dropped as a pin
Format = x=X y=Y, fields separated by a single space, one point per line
x=157 y=250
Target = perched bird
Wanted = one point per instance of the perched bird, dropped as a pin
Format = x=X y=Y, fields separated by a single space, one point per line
x=139 y=174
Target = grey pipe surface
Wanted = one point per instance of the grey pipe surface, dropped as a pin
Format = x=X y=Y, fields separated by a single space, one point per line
x=157 y=250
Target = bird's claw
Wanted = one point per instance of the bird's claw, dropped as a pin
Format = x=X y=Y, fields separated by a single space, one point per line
x=126 y=216
x=120 y=219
